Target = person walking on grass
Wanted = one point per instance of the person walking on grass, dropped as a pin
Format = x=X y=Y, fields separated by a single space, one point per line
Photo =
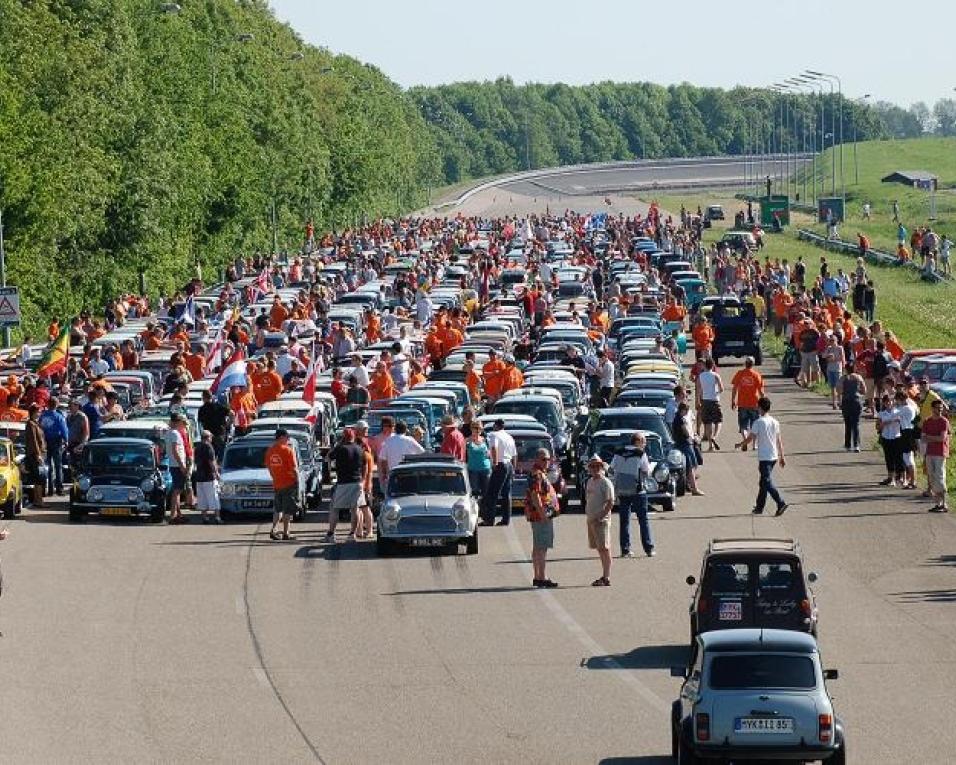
x=935 y=434
x=598 y=506
x=765 y=434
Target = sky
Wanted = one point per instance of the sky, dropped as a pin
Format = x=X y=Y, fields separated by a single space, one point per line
x=898 y=52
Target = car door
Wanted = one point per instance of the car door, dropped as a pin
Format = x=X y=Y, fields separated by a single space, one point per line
x=727 y=596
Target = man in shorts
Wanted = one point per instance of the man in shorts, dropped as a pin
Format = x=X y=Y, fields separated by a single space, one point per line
x=598 y=506
x=709 y=388
x=283 y=466
x=348 y=495
x=935 y=434
x=207 y=473
x=178 y=467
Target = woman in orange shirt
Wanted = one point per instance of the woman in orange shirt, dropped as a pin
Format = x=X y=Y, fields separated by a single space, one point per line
x=473 y=381
x=417 y=376
x=381 y=386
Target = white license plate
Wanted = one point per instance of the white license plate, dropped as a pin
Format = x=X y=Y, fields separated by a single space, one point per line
x=731 y=611
x=429 y=542
x=763 y=725
x=734 y=343
x=256 y=504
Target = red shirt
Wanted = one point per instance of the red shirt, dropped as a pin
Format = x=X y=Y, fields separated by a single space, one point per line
x=454 y=444
x=340 y=392
x=936 y=426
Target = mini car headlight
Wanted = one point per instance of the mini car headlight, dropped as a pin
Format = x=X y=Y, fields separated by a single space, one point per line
x=83 y=483
x=460 y=511
x=228 y=490
x=661 y=473
x=96 y=495
x=392 y=512
x=134 y=495
x=147 y=485
x=3 y=482
x=676 y=458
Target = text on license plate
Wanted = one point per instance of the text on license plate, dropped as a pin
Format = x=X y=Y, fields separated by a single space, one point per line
x=731 y=611
x=429 y=542
x=763 y=725
x=115 y=511
x=256 y=503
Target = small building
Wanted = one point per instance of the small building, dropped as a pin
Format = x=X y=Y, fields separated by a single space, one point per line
x=917 y=179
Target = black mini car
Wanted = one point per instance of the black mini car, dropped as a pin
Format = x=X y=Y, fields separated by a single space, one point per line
x=753 y=583
x=119 y=477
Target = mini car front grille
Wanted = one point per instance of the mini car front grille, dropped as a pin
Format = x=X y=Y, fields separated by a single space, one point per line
x=427 y=524
x=116 y=493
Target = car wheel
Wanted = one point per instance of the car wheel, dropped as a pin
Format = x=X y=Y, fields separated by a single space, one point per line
x=684 y=755
x=667 y=505
x=758 y=356
x=299 y=515
x=157 y=513
x=471 y=544
x=10 y=508
x=680 y=489
x=77 y=515
x=675 y=729
x=839 y=756
x=383 y=546
x=314 y=501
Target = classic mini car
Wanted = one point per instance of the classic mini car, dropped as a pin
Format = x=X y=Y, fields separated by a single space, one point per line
x=119 y=477
x=753 y=583
x=246 y=486
x=11 y=489
x=755 y=694
x=428 y=503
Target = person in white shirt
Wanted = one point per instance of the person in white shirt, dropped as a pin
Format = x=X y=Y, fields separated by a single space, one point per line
x=629 y=469
x=907 y=410
x=424 y=308
x=394 y=449
x=359 y=372
x=605 y=375
x=98 y=366
x=709 y=388
x=765 y=433
x=503 y=451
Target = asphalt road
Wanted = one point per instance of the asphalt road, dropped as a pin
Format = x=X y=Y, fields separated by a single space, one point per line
x=126 y=642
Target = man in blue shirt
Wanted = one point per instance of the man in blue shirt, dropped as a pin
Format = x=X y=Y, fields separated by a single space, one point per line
x=56 y=432
x=92 y=410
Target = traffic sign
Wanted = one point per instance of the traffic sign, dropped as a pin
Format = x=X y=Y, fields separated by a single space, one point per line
x=9 y=307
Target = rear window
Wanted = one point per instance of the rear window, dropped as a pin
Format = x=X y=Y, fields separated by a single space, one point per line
x=728 y=578
x=762 y=671
x=775 y=576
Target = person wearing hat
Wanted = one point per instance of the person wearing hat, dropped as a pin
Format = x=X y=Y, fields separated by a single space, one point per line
x=453 y=442
x=178 y=467
x=598 y=506
x=348 y=494
x=283 y=466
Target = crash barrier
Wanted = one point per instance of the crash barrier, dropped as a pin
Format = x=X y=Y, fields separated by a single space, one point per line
x=873 y=256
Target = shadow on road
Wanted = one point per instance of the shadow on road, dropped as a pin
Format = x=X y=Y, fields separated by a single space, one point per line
x=642 y=657
x=942 y=560
x=550 y=560
x=926 y=596
x=466 y=591
x=919 y=513
x=647 y=759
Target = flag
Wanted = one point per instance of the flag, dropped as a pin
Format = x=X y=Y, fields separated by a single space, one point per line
x=56 y=354
x=186 y=313
x=232 y=374
x=214 y=354
x=308 y=391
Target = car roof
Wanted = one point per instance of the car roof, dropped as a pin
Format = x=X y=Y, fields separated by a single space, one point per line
x=734 y=640
x=753 y=544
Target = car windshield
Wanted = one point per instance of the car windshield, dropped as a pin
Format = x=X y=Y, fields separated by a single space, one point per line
x=243 y=457
x=626 y=421
x=109 y=457
x=528 y=447
x=540 y=411
x=411 y=417
x=637 y=398
x=608 y=446
x=759 y=671
x=949 y=375
x=403 y=483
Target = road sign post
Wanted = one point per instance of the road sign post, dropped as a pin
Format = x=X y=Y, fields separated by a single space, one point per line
x=9 y=310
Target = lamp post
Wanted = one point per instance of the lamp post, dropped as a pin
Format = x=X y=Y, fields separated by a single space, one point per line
x=800 y=84
x=817 y=88
x=830 y=78
x=856 y=166
x=782 y=91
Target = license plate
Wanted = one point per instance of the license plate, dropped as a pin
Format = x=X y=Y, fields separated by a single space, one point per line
x=517 y=504
x=734 y=343
x=120 y=511
x=763 y=725
x=429 y=542
x=256 y=504
x=731 y=611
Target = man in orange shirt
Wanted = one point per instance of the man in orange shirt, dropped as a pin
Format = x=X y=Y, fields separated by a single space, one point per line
x=381 y=386
x=511 y=378
x=782 y=300
x=703 y=337
x=450 y=338
x=278 y=313
x=746 y=390
x=12 y=411
x=180 y=335
x=373 y=326
x=473 y=381
x=243 y=405
x=195 y=363
x=267 y=385
x=492 y=373
x=673 y=311
x=283 y=468
x=154 y=340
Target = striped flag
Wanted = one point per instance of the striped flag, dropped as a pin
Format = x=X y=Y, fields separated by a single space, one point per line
x=56 y=354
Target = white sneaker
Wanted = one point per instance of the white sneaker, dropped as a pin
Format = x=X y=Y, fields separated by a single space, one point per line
x=628 y=554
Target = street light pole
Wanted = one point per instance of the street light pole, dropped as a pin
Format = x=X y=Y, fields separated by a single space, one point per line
x=856 y=166
x=830 y=78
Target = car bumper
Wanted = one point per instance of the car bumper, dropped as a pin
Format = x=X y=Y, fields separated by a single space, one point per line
x=749 y=348
x=119 y=509
x=798 y=753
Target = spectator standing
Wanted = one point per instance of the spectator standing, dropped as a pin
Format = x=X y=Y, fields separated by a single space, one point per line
x=348 y=495
x=207 y=478
x=503 y=455
x=888 y=426
x=394 y=449
x=851 y=389
x=598 y=505
x=35 y=454
x=57 y=435
x=765 y=433
x=834 y=356
x=453 y=442
x=746 y=390
x=479 y=461
x=540 y=508
x=78 y=427
x=629 y=469
x=283 y=466
x=709 y=388
x=178 y=468
x=215 y=416
x=936 y=434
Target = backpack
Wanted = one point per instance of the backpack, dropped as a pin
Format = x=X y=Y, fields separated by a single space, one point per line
x=628 y=478
x=880 y=367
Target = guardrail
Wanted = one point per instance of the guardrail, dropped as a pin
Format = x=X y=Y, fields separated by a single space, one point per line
x=873 y=256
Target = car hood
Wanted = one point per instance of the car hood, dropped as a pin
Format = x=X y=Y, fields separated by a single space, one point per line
x=132 y=478
x=426 y=504
x=247 y=475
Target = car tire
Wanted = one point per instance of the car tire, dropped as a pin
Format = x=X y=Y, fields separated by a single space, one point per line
x=667 y=505
x=758 y=356
x=383 y=546
x=10 y=508
x=471 y=544
x=675 y=729
x=839 y=756
x=299 y=516
x=157 y=513
x=314 y=501
x=76 y=514
x=680 y=485
x=685 y=756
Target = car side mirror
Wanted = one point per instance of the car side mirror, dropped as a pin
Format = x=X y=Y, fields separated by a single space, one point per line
x=691 y=579
x=812 y=577
x=680 y=672
x=831 y=674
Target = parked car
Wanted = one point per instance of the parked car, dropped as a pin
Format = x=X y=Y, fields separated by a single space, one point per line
x=246 y=486
x=11 y=487
x=737 y=332
x=755 y=694
x=119 y=477
x=753 y=583
x=428 y=503
x=666 y=467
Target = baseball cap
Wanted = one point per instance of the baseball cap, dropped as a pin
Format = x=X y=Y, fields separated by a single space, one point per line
x=361 y=425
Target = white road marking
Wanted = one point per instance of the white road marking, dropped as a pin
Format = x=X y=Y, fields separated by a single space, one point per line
x=587 y=642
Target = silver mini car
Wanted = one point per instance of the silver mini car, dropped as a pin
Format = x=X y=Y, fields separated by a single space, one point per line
x=755 y=694
x=428 y=503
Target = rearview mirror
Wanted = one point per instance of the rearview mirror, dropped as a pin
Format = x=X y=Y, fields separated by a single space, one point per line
x=691 y=579
x=831 y=674
x=812 y=577
x=679 y=672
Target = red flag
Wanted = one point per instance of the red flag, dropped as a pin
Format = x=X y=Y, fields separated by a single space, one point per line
x=308 y=391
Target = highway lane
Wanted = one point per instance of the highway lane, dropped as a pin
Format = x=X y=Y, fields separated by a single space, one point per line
x=127 y=642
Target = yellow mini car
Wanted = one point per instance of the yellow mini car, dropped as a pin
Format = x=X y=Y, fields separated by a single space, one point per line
x=11 y=488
